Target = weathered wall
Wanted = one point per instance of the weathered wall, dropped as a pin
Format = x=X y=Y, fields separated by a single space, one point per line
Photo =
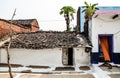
x=35 y=26
x=34 y=57
x=5 y=27
x=81 y=57
x=51 y=57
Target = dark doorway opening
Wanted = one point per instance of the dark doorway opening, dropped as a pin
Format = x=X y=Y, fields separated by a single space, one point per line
x=110 y=47
x=70 y=56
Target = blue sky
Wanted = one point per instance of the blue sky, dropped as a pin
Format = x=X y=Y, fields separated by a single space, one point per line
x=45 y=11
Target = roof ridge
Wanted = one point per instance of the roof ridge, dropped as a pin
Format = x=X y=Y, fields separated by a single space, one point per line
x=24 y=22
x=24 y=19
x=45 y=32
x=8 y=21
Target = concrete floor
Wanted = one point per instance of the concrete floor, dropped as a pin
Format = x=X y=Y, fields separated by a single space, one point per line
x=49 y=76
x=93 y=71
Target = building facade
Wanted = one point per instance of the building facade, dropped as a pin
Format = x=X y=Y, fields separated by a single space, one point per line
x=27 y=25
x=104 y=24
x=104 y=33
x=48 y=48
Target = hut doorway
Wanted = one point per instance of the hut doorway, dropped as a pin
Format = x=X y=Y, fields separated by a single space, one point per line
x=67 y=56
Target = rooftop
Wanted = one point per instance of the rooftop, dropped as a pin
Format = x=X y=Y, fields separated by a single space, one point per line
x=48 y=39
x=24 y=22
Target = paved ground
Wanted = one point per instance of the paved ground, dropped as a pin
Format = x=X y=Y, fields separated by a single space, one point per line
x=114 y=69
x=57 y=76
x=5 y=75
x=114 y=75
x=49 y=76
x=93 y=71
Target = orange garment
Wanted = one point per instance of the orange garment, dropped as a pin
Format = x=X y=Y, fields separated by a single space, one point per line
x=105 y=48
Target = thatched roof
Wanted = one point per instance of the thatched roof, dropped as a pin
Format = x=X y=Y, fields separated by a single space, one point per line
x=43 y=39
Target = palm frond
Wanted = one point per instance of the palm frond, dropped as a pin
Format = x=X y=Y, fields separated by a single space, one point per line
x=86 y=3
x=96 y=8
x=61 y=12
x=89 y=9
x=94 y=5
x=84 y=10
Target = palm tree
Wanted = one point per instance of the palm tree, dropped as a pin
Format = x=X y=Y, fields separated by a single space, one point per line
x=89 y=11
x=68 y=12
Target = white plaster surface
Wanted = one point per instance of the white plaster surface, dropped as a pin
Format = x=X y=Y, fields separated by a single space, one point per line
x=34 y=57
x=46 y=57
x=105 y=25
x=81 y=57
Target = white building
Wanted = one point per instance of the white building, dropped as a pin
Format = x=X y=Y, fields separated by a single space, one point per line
x=105 y=23
x=48 y=49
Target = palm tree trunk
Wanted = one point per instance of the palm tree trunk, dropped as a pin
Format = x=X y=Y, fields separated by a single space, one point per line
x=86 y=27
x=67 y=22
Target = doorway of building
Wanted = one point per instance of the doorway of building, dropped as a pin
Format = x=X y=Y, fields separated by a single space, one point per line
x=105 y=48
x=67 y=56
x=70 y=56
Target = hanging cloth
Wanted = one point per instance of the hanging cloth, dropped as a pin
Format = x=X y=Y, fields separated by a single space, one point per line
x=105 y=48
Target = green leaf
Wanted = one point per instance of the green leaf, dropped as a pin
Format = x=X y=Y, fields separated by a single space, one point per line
x=96 y=8
x=84 y=10
x=86 y=3
x=94 y=5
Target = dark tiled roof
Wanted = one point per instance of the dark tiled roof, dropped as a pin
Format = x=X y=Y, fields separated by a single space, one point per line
x=39 y=40
x=24 y=22
x=8 y=21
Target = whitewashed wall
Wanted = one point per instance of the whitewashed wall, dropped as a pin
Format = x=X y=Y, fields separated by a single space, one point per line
x=36 y=57
x=105 y=26
x=81 y=57
x=3 y=56
x=52 y=57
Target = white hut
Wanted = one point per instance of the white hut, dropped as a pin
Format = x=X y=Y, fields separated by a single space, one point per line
x=48 y=49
